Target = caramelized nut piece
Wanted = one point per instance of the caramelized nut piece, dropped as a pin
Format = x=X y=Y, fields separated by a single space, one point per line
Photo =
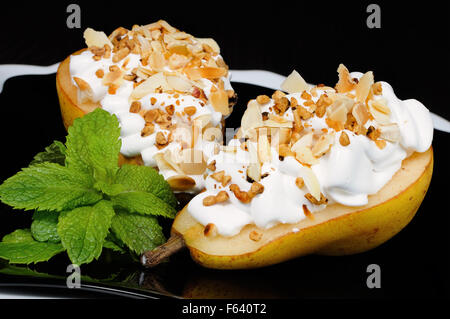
x=100 y=73
x=263 y=99
x=299 y=182
x=190 y=110
x=135 y=107
x=255 y=189
x=255 y=236
x=344 y=140
x=222 y=196
x=241 y=195
x=210 y=230
x=212 y=166
x=313 y=200
x=148 y=130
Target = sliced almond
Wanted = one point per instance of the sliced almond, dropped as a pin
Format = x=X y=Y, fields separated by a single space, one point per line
x=219 y=101
x=85 y=92
x=311 y=181
x=264 y=152
x=96 y=38
x=272 y=123
x=205 y=73
x=305 y=156
x=363 y=87
x=345 y=83
x=179 y=83
x=171 y=159
x=211 y=43
x=294 y=83
x=323 y=145
x=390 y=132
x=156 y=61
x=337 y=112
x=381 y=105
x=252 y=117
x=380 y=117
x=305 y=141
x=360 y=113
x=150 y=85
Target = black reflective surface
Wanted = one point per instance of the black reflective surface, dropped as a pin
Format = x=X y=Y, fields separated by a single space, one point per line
x=414 y=263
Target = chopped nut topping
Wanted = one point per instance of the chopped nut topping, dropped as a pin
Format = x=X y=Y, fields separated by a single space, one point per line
x=241 y=195
x=373 y=133
x=148 y=130
x=151 y=115
x=299 y=182
x=190 y=110
x=380 y=144
x=170 y=109
x=210 y=230
x=255 y=236
x=135 y=107
x=263 y=99
x=161 y=140
x=281 y=105
x=307 y=213
x=212 y=166
x=221 y=197
x=344 y=140
x=100 y=73
x=377 y=88
x=255 y=189
x=313 y=200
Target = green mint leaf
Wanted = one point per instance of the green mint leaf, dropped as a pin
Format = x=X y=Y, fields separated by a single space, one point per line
x=48 y=186
x=93 y=145
x=83 y=231
x=18 y=236
x=109 y=189
x=113 y=246
x=146 y=179
x=138 y=232
x=19 y=247
x=43 y=227
x=143 y=203
x=55 y=153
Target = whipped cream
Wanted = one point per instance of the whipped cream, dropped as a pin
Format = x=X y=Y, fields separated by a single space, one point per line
x=346 y=174
x=118 y=102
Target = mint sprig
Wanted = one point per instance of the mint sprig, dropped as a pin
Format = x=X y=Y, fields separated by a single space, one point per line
x=83 y=201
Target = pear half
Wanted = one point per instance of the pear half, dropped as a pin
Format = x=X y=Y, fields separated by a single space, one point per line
x=336 y=230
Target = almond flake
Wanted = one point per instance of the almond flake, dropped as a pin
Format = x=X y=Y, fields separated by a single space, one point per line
x=364 y=86
x=390 y=132
x=219 y=101
x=311 y=181
x=294 y=83
x=360 y=113
x=181 y=182
x=252 y=117
x=96 y=38
x=345 y=83
x=323 y=145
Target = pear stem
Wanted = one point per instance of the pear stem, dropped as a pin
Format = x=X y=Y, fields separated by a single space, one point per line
x=152 y=258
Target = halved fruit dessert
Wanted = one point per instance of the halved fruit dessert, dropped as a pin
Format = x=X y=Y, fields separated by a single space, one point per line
x=321 y=170
x=157 y=80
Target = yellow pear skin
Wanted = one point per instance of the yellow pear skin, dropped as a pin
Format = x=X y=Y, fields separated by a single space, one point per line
x=336 y=230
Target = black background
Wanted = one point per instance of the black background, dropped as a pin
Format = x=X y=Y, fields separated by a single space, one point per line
x=409 y=51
